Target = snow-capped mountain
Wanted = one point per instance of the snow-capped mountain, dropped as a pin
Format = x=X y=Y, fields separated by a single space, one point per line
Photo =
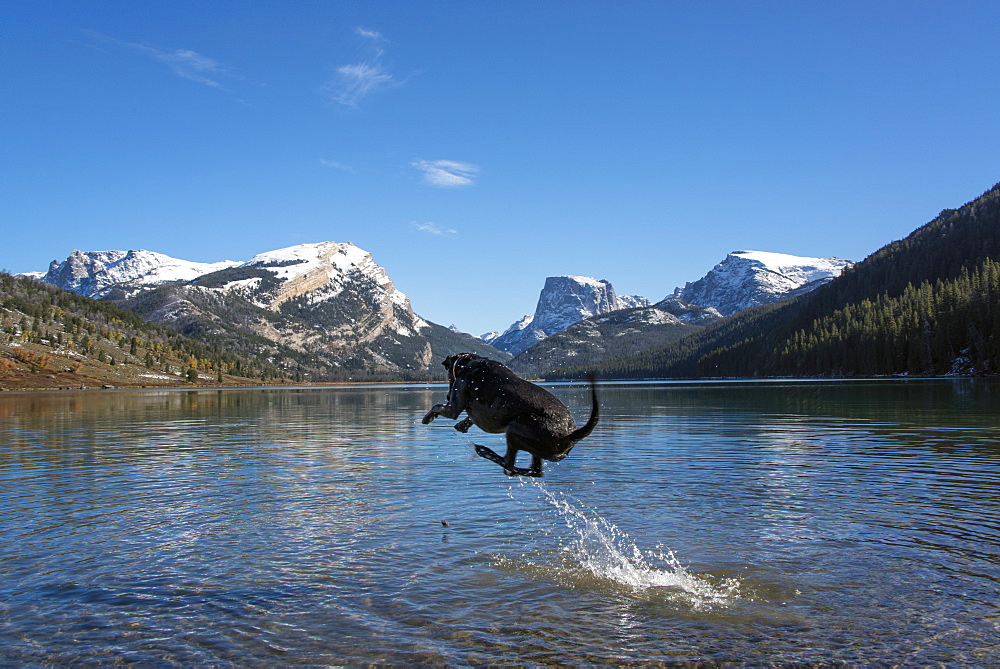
x=326 y=308
x=563 y=301
x=750 y=278
x=96 y=273
x=321 y=272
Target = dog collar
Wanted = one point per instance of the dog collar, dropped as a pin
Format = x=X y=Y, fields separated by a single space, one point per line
x=454 y=366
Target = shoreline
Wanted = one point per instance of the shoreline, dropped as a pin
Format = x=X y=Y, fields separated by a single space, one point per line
x=193 y=387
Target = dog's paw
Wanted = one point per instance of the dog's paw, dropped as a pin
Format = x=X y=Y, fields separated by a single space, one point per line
x=464 y=425
x=429 y=416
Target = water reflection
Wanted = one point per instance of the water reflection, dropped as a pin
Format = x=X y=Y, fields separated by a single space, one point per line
x=778 y=522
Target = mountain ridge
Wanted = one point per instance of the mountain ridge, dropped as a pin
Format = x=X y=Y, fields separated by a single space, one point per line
x=95 y=273
x=322 y=310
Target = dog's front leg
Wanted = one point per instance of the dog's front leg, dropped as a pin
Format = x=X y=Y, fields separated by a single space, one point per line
x=453 y=406
x=444 y=409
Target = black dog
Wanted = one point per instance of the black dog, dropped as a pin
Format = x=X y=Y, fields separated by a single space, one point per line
x=498 y=400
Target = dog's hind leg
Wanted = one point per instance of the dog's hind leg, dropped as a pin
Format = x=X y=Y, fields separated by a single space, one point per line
x=490 y=454
x=507 y=462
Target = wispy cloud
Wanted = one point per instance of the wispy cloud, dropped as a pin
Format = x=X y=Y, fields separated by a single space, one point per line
x=358 y=81
x=353 y=82
x=447 y=173
x=185 y=63
x=434 y=229
x=189 y=64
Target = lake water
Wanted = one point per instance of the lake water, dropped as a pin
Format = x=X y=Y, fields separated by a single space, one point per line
x=852 y=522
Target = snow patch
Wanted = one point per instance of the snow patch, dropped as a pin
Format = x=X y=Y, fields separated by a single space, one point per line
x=243 y=284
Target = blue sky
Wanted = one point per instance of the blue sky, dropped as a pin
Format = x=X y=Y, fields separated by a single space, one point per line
x=475 y=148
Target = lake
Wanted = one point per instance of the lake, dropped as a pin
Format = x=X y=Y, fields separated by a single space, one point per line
x=771 y=522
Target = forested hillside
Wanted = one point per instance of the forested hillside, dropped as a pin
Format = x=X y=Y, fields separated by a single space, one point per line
x=927 y=304
x=52 y=338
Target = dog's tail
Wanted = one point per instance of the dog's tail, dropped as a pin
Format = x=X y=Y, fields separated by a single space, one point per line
x=595 y=411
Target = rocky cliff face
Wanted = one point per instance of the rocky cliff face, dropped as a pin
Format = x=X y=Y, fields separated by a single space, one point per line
x=564 y=300
x=750 y=278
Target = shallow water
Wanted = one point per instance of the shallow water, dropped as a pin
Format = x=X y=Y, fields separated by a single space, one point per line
x=774 y=522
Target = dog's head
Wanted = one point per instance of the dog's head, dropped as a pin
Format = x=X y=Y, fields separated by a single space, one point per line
x=456 y=363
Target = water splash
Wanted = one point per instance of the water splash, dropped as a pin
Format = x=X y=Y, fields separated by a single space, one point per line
x=593 y=547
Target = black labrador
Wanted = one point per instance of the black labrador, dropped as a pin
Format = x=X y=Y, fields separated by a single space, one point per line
x=498 y=400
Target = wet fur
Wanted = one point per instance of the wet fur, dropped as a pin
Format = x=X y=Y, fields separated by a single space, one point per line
x=497 y=400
